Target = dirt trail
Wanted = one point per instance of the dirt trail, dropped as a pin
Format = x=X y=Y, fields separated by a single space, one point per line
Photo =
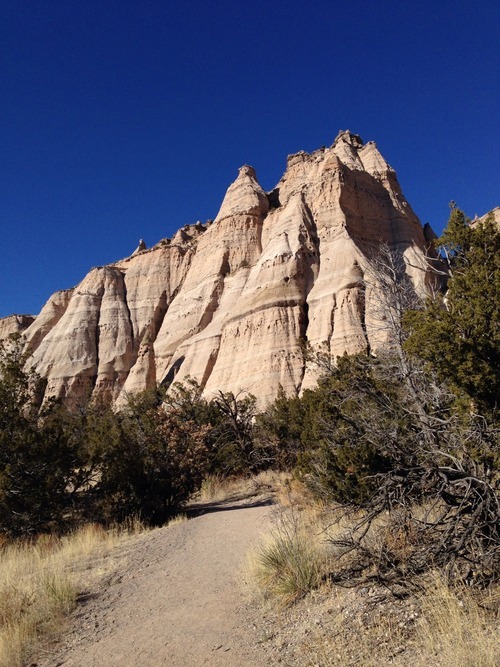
x=177 y=600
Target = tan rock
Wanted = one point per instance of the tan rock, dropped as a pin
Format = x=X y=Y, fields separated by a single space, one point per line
x=49 y=316
x=231 y=303
x=14 y=324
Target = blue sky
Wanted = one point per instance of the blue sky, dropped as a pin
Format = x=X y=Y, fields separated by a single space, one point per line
x=126 y=119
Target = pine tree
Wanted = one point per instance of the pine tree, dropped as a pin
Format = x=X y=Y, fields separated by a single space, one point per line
x=459 y=332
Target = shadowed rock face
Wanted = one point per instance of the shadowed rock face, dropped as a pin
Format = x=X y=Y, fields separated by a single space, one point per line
x=230 y=303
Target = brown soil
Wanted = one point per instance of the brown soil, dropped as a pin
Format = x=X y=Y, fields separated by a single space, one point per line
x=175 y=599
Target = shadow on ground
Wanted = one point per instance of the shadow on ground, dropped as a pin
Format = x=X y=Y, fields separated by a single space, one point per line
x=229 y=504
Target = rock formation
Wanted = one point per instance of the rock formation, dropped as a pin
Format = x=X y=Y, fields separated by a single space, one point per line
x=14 y=324
x=230 y=303
x=493 y=215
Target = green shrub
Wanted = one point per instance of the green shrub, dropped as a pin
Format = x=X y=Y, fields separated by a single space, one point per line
x=37 y=456
x=156 y=460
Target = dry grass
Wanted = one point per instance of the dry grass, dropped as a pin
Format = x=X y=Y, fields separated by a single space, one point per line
x=295 y=558
x=351 y=643
x=457 y=629
x=451 y=629
x=216 y=488
x=39 y=583
x=439 y=624
x=290 y=562
x=177 y=520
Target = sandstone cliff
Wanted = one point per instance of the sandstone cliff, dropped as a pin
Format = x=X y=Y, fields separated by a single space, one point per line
x=14 y=324
x=230 y=303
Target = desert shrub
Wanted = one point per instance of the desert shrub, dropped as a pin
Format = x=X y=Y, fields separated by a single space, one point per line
x=37 y=455
x=349 y=430
x=234 y=450
x=389 y=450
x=157 y=459
x=187 y=399
x=460 y=335
x=386 y=435
x=279 y=430
x=228 y=422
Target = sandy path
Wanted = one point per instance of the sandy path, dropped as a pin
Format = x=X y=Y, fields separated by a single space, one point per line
x=177 y=601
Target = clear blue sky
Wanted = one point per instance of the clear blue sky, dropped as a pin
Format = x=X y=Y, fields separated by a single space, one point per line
x=126 y=119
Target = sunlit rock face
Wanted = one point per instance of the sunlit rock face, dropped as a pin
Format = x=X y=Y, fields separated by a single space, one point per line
x=232 y=302
x=14 y=324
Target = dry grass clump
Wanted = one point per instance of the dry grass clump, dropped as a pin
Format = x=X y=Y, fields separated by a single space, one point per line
x=215 y=488
x=290 y=562
x=177 y=520
x=39 y=583
x=294 y=559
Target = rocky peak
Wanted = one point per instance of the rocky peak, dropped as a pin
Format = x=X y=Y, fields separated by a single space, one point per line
x=347 y=137
x=140 y=248
x=231 y=303
x=244 y=197
x=372 y=160
x=247 y=170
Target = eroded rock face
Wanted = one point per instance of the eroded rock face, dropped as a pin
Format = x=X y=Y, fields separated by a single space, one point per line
x=14 y=324
x=231 y=303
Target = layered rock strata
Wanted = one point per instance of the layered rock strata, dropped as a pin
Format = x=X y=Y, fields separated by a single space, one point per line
x=231 y=303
